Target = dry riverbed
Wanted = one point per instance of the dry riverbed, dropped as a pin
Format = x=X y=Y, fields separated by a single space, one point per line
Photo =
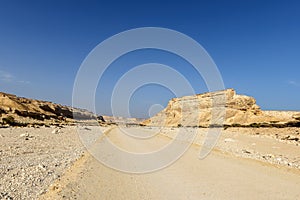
x=31 y=159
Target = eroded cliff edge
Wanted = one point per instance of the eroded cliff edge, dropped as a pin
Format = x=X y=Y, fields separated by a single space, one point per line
x=224 y=107
x=22 y=111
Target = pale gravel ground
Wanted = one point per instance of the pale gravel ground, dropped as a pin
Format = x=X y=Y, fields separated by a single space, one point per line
x=221 y=175
x=273 y=145
x=31 y=159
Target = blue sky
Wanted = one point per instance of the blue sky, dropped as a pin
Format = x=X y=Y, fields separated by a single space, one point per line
x=255 y=45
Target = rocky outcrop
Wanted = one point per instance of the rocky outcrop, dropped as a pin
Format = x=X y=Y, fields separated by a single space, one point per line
x=219 y=108
x=26 y=110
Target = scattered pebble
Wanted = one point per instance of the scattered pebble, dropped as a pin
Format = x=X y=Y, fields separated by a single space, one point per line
x=229 y=140
x=55 y=131
x=24 y=135
x=26 y=168
x=246 y=151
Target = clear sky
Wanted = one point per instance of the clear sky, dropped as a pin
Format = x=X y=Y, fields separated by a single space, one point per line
x=255 y=44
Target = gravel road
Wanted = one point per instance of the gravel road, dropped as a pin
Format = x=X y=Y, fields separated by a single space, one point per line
x=224 y=174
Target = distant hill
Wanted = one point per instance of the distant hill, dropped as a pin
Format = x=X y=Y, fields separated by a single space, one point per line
x=123 y=120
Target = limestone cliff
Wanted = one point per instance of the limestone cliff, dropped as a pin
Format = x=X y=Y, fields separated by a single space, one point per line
x=24 y=110
x=218 y=108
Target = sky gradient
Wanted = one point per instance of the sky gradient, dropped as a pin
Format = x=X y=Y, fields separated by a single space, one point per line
x=255 y=45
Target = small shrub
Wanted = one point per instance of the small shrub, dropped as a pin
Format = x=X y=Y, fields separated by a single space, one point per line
x=255 y=125
x=9 y=120
x=236 y=125
x=2 y=111
x=265 y=125
x=274 y=122
x=226 y=126
x=293 y=124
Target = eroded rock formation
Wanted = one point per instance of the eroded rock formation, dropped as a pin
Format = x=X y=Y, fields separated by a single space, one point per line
x=219 y=108
x=26 y=110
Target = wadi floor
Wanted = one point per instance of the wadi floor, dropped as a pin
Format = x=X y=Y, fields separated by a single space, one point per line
x=53 y=163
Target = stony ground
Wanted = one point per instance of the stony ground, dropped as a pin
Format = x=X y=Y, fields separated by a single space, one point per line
x=32 y=158
x=221 y=175
x=279 y=146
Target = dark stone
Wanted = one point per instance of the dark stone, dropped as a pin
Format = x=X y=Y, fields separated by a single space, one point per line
x=101 y=118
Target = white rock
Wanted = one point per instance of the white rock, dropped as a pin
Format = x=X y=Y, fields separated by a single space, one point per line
x=229 y=140
x=24 y=135
x=55 y=131
x=41 y=166
x=279 y=159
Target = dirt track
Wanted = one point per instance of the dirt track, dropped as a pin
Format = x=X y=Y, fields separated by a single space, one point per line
x=219 y=176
